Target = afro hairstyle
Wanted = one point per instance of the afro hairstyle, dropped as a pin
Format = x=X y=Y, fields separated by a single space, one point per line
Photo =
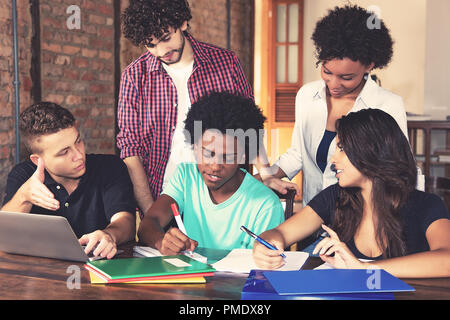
x=346 y=33
x=224 y=111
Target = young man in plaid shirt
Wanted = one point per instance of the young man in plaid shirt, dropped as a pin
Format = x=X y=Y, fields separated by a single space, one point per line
x=159 y=87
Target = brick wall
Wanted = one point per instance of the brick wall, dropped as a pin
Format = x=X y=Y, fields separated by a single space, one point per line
x=209 y=24
x=77 y=68
x=7 y=93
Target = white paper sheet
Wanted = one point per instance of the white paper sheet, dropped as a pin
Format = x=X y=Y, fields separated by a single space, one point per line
x=241 y=261
x=152 y=252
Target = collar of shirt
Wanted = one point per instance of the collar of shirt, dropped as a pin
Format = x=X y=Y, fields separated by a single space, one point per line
x=53 y=185
x=200 y=58
x=367 y=95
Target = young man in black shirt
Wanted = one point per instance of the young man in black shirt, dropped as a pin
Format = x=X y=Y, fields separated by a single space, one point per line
x=94 y=192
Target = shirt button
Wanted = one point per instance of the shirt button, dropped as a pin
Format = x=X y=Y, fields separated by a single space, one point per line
x=58 y=187
x=66 y=204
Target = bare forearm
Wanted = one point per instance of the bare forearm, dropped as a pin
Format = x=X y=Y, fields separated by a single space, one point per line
x=122 y=227
x=140 y=183
x=429 y=264
x=155 y=219
x=17 y=204
x=262 y=164
x=277 y=172
x=274 y=235
x=150 y=232
x=300 y=226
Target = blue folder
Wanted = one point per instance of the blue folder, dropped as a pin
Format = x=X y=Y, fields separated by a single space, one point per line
x=257 y=287
x=333 y=281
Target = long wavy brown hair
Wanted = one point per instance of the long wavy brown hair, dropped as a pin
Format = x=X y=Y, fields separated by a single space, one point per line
x=376 y=146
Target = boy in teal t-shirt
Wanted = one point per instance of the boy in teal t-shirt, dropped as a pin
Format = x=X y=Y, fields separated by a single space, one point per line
x=214 y=195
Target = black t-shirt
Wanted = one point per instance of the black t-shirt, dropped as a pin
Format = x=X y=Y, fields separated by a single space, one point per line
x=419 y=212
x=104 y=190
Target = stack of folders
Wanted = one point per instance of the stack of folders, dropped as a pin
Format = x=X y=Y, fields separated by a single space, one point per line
x=333 y=284
x=166 y=269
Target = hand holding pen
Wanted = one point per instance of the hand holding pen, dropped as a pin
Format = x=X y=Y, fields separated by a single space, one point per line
x=176 y=240
x=179 y=221
x=261 y=240
x=266 y=253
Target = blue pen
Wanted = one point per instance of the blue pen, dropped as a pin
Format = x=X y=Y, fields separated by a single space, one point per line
x=260 y=240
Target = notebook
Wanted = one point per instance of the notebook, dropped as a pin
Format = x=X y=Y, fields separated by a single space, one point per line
x=97 y=279
x=134 y=268
x=143 y=251
x=241 y=261
x=257 y=287
x=333 y=281
x=174 y=277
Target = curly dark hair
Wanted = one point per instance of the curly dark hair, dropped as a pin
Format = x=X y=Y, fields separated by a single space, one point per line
x=41 y=119
x=224 y=111
x=377 y=147
x=144 y=20
x=344 y=33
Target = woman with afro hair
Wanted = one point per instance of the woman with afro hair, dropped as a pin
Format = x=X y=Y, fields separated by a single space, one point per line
x=348 y=47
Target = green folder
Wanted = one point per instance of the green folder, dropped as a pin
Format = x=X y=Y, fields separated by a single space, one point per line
x=149 y=267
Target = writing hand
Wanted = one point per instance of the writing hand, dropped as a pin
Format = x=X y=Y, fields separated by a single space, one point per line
x=266 y=258
x=175 y=241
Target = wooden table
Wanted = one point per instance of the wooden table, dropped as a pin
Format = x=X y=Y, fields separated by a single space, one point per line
x=23 y=277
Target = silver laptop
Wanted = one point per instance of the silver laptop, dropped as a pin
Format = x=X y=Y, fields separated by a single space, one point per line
x=41 y=236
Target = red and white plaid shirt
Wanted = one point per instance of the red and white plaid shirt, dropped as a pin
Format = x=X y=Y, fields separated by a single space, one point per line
x=147 y=109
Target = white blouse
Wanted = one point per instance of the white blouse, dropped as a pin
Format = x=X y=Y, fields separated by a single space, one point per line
x=310 y=123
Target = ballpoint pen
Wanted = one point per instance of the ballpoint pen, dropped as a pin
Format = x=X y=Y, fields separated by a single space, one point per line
x=260 y=240
x=180 y=223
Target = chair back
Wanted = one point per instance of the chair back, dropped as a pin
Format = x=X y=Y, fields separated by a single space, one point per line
x=439 y=186
x=289 y=197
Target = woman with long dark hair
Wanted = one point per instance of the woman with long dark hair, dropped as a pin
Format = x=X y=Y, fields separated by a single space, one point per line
x=374 y=211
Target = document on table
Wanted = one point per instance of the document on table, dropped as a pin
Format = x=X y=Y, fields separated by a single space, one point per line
x=152 y=252
x=241 y=261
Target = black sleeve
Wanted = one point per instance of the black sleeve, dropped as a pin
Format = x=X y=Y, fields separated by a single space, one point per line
x=324 y=203
x=434 y=209
x=16 y=178
x=118 y=194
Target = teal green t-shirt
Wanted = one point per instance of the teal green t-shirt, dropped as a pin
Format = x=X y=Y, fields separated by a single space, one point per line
x=217 y=226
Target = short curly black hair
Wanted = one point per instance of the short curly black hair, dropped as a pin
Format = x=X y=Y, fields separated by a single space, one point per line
x=350 y=32
x=43 y=118
x=144 y=20
x=224 y=111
